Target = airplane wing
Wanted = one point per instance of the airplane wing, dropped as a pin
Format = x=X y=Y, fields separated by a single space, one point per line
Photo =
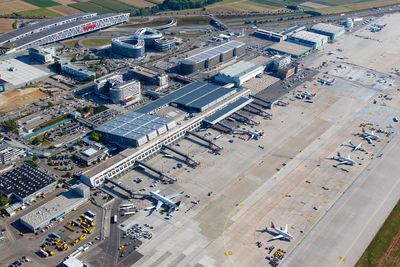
x=159 y=203
x=174 y=195
x=369 y=140
x=277 y=237
x=286 y=228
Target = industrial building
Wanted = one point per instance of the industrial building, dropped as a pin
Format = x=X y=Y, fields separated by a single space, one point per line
x=329 y=30
x=292 y=49
x=8 y=154
x=128 y=47
x=148 y=75
x=268 y=35
x=307 y=38
x=56 y=208
x=239 y=73
x=289 y=70
x=294 y=29
x=212 y=57
x=43 y=55
x=76 y=71
x=25 y=182
x=59 y=29
x=135 y=129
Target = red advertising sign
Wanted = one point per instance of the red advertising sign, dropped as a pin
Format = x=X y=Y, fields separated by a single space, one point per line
x=89 y=27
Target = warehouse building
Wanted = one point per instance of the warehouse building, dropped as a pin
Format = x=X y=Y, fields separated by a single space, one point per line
x=311 y=39
x=148 y=75
x=294 y=29
x=135 y=129
x=128 y=47
x=24 y=183
x=292 y=49
x=91 y=155
x=239 y=73
x=66 y=30
x=76 y=71
x=212 y=57
x=43 y=55
x=56 y=208
x=268 y=35
x=329 y=30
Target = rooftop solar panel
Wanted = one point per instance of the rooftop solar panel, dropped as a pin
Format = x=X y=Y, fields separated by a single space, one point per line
x=214 y=51
x=213 y=96
x=228 y=110
x=187 y=99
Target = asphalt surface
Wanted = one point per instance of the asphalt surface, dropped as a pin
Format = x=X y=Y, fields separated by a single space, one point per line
x=341 y=237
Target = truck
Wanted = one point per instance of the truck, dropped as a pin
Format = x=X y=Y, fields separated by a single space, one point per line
x=55 y=235
x=44 y=253
x=90 y=214
x=129 y=213
x=115 y=219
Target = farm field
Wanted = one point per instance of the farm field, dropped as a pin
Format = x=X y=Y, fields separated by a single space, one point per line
x=14 y=6
x=6 y=25
x=38 y=13
x=42 y=3
x=138 y=3
x=102 y=6
x=64 y=10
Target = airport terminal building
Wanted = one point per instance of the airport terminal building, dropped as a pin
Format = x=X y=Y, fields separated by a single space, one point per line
x=329 y=30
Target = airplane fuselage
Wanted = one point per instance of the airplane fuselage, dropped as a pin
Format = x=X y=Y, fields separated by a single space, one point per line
x=163 y=199
x=284 y=234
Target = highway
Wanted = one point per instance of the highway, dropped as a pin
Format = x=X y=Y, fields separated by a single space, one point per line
x=343 y=234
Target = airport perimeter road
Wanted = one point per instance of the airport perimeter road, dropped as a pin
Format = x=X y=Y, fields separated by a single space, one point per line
x=343 y=234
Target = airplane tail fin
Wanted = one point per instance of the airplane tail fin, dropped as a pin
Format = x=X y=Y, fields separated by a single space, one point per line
x=157 y=191
x=314 y=94
x=363 y=130
x=272 y=225
x=262 y=133
x=178 y=203
x=338 y=154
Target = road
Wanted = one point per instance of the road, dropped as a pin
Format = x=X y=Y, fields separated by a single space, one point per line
x=343 y=234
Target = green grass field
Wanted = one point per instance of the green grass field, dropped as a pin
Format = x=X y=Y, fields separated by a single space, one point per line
x=186 y=21
x=96 y=42
x=38 y=13
x=378 y=249
x=42 y=3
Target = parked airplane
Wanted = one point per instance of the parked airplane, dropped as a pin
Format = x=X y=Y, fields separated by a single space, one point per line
x=354 y=147
x=344 y=160
x=325 y=81
x=282 y=234
x=164 y=200
x=369 y=136
x=305 y=95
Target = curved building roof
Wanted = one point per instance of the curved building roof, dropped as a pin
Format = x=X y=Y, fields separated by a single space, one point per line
x=147 y=33
x=128 y=42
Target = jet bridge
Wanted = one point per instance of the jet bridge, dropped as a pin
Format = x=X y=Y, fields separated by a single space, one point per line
x=161 y=174
x=214 y=147
x=191 y=162
x=262 y=100
x=229 y=129
x=246 y=117
x=119 y=185
x=259 y=109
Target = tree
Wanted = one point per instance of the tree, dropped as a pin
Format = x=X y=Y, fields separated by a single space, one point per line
x=35 y=157
x=10 y=125
x=95 y=136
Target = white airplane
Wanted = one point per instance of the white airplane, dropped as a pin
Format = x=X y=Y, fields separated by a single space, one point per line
x=369 y=136
x=305 y=95
x=325 y=81
x=164 y=200
x=282 y=234
x=355 y=148
x=344 y=160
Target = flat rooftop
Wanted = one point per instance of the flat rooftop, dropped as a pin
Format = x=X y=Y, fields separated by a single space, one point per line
x=54 y=207
x=309 y=36
x=24 y=181
x=289 y=48
x=328 y=28
x=240 y=68
x=228 y=110
x=212 y=52
x=17 y=72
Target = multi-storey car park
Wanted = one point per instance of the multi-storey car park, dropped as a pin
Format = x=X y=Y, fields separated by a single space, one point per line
x=57 y=31
x=212 y=57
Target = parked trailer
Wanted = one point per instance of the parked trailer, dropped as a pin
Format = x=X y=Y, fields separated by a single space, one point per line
x=126 y=206
x=44 y=253
x=115 y=219
x=88 y=219
x=129 y=213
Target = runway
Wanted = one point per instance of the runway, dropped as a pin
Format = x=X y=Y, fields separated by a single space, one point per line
x=343 y=234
